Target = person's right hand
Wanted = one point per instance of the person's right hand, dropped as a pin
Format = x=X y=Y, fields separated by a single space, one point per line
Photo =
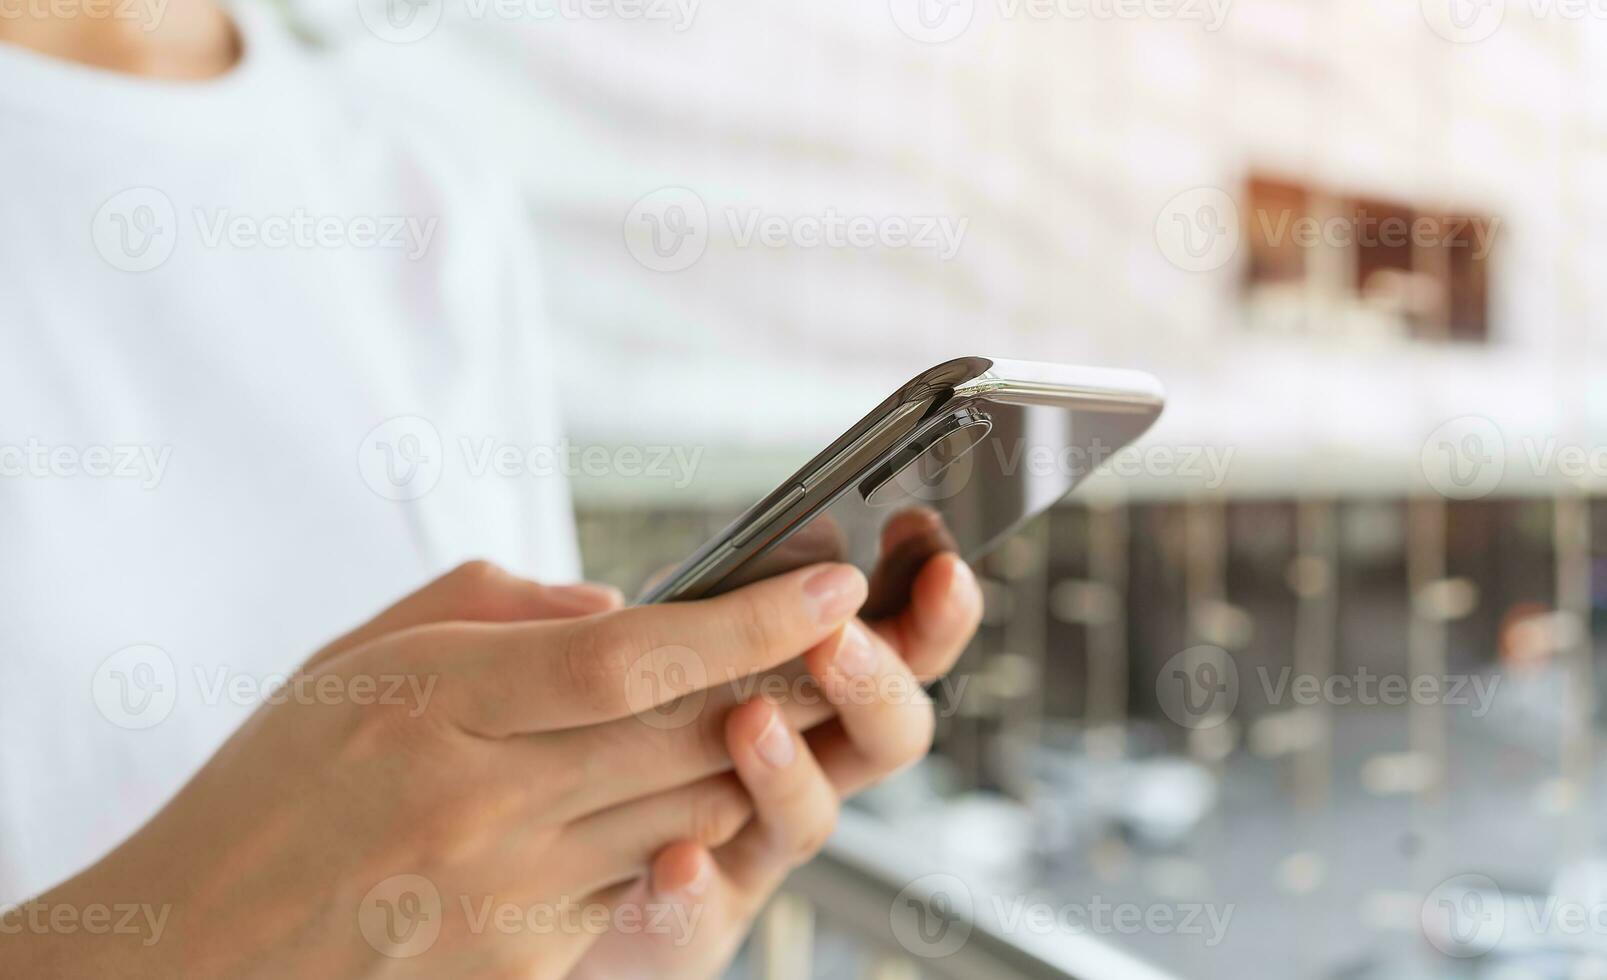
x=443 y=835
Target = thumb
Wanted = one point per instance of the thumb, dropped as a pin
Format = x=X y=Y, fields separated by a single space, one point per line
x=478 y=591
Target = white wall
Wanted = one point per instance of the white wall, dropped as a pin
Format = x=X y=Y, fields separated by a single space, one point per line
x=1059 y=142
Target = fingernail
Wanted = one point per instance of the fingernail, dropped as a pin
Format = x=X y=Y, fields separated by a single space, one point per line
x=774 y=744
x=700 y=884
x=835 y=592
x=855 y=657
x=963 y=586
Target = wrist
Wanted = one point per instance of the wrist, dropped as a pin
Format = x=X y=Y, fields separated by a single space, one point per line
x=72 y=932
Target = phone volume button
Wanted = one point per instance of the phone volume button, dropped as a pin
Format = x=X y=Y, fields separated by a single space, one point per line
x=768 y=518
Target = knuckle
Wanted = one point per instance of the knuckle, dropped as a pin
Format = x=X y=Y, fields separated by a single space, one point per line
x=433 y=841
x=474 y=574
x=380 y=730
x=441 y=834
x=387 y=705
x=752 y=623
x=479 y=589
x=597 y=663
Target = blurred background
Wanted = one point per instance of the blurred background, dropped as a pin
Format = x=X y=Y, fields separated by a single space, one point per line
x=1307 y=687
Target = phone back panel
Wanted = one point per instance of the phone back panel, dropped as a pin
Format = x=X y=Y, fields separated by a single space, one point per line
x=955 y=460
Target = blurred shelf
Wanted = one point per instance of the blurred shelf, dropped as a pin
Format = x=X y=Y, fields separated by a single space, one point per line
x=732 y=479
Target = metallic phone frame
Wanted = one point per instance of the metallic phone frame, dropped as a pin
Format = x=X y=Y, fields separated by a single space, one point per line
x=841 y=466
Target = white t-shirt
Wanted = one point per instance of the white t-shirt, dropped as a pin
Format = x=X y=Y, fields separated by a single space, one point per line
x=213 y=298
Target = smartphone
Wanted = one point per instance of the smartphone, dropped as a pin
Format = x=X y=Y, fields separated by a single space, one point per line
x=955 y=460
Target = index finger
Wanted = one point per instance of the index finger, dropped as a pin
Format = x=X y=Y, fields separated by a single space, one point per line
x=944 y=611
x=544 y=676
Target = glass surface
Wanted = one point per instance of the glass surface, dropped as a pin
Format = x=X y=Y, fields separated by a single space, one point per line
x=969 y=474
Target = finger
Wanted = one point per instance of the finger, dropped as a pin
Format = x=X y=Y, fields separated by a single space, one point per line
x=879 y=700
x=478 y=591
x=885 y=723
x=551 y=949
x=795 y=806
x=540 y=677
x=879 y=695
x=670 y=908
x=552 y=957
x=909 y=539
x=619 y=843
x=734 y=882
x=943 y=614
x=684 y=868
x=653 y=752
x=848 y=769
x=686 y=878
x=945 y=610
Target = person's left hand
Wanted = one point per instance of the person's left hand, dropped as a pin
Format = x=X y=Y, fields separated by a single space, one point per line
x=696 y=905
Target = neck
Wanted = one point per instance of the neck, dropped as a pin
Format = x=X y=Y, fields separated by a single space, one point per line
x=172 y=39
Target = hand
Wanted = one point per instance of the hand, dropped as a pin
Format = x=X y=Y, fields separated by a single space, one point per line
x=704 y=898
x=349 y=835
